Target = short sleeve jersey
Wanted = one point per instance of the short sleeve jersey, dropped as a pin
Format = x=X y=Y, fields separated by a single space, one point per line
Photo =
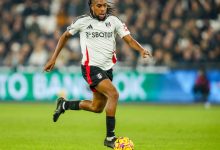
x=97 y=39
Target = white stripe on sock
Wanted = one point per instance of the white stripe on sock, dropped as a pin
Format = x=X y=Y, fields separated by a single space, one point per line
x=110 y=138
x=64 y=105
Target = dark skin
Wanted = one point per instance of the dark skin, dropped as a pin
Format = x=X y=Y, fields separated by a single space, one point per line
x=106 y=95
x=99 y=9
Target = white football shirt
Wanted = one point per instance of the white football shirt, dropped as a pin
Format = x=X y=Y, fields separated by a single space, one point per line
x=97 y=39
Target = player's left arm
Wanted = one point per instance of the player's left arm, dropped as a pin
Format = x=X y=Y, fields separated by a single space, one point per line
x=135 y=45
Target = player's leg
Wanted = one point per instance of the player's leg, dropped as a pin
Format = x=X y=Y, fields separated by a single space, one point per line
x=106 y=92
x=107 y=88
x=97 y=104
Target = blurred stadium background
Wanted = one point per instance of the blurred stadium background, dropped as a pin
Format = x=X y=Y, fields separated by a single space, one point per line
x=183 y=36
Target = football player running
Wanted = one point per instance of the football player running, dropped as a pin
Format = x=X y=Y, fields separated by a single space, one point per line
x=98 y=45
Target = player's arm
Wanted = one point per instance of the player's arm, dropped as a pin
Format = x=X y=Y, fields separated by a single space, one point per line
x=135 y=45
x=62 y=41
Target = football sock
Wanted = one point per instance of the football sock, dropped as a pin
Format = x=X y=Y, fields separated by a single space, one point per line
x=71 y=105
x=110 y=125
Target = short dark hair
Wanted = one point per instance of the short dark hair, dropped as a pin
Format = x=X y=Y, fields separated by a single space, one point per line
x=110 y=8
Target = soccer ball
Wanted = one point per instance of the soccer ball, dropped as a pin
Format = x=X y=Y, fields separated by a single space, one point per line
x=123 y=143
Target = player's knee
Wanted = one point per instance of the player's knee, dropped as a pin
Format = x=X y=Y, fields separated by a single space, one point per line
x=115 y=95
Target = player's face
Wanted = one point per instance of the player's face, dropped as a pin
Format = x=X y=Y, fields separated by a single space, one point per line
x=99 y=8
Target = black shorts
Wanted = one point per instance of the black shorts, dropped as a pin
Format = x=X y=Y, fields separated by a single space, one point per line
x=94 y=75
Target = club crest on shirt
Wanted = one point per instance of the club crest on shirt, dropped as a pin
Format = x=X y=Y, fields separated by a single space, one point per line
x=108 y=24
x=99 y=75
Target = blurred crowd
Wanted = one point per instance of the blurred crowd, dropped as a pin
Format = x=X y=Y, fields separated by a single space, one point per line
x=178 y=32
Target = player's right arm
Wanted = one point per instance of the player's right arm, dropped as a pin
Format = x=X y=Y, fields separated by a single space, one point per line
x=61 y=43
x=71 y=30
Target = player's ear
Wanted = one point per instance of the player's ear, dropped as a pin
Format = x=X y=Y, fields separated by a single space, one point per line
x=92 y=7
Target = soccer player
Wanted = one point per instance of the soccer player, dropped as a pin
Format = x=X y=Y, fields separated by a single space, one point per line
x=97 y=39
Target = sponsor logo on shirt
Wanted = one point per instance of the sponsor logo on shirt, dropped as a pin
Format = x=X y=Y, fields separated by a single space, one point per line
x=99 y=34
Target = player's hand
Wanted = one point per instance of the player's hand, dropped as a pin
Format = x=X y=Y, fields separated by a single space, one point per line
x=146 y=54
x=49 y=66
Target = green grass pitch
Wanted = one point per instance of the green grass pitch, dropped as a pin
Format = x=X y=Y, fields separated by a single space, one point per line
x=29 y=126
